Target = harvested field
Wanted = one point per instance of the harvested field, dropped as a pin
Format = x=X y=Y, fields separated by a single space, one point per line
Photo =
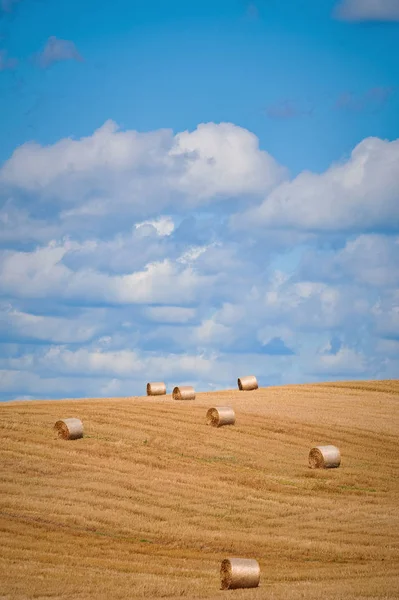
x=151 y=500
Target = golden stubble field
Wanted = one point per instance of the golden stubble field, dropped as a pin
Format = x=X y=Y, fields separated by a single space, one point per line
x=151 y=500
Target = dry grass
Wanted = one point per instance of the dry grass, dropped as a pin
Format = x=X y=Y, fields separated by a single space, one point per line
x=151 y=500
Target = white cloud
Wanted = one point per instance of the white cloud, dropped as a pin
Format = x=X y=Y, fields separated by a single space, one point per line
x=268 y=333
x=144 y=172
x=359 y=194
x=226 y=160
x=42 y=274
x=13 y=383
x=368 y=10
x=306 y=304
x=345 y=362
x=36 y=167
x=170 y=314
x=190 y=300
x=16 y=225
x=230 y=314
x=193 y=253
x=388 y=348
x=211 y=332
x=120 y=363
x=369 y=259
x=95 y=373
x=163 y=225
x=124 y=253
x=47 y=328
x=386 y=315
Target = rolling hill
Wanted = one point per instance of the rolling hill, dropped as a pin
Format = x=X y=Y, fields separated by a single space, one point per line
x=151 y=500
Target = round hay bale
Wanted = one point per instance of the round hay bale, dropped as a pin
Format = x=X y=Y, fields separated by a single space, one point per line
x=239 y=573
x=247 y=383
x=184 y=392
x=220 y=415
x=157 y=388
x=324 y=457
x=69 y=429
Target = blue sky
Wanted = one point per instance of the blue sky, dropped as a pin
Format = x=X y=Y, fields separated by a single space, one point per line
x=196 y=190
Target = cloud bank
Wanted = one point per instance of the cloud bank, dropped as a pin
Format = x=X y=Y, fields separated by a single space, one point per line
x=194 y=257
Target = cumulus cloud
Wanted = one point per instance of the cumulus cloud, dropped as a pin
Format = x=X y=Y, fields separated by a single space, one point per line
x=170 y=314
x=368 y=10
x=16 y=225
x=123 y=253
x=226 y=161
x=388 y=347
x=57 y=50
x=343 y=363
x=368 y=259
x=142 y=173
x=100 y=373
x=16 y=324
x=163 y=225
x=122 y=363
x=386 y=315
x=309 y=305
x=359 y=194
x=119 y=264
x=42 y=274
x=14 y=382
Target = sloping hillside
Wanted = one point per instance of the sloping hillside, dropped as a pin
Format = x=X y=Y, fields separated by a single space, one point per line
x=151 y=500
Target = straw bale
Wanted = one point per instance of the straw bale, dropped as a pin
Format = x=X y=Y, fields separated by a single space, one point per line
x=69 y=429
x=220 y=415
x=324 y=457
x=248 y=383
x=239 y=573
x=157 y=388
x=184 y=392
